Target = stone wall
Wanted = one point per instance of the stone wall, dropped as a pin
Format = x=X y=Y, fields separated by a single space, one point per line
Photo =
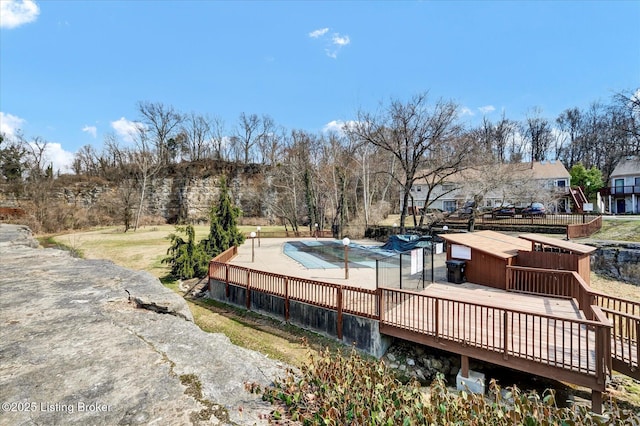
x=618 y=260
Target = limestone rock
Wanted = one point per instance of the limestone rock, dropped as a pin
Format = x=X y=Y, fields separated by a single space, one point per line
x=88 y=342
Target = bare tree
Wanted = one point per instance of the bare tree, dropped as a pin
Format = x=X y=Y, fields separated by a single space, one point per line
x=218 y=148
x=197 y=130
x=537 y=131
x=503 y=132
x=420 y=136
x=251 y=130
x=162 y=122
x=570 y=124
x=146 y=166
x=271 y=146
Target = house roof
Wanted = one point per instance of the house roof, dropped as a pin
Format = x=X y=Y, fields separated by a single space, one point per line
x=556 y=242
x=629 y=166
x=493 y=243
x=538 y=170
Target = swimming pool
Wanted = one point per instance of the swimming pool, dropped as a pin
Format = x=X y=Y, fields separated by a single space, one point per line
x=330 y=254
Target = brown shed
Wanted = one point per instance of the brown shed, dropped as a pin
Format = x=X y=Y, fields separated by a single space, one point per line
x=554 y=253
x=487 y=255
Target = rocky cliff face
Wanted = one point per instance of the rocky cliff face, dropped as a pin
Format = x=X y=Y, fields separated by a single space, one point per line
x=88 y=342
x=180 y=197
x=619 y=260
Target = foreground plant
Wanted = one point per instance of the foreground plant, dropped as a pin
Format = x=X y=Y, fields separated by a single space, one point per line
x=334 y=389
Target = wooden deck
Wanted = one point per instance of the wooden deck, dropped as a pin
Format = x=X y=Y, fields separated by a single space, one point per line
x=548 y=322
x=474 y=293
x=547 y=336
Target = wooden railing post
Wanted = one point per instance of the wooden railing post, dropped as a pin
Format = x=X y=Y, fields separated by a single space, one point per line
x=339 y=308
x=637 y=342
x=505 y=335
x=436 y=319
x=226 y=279
x=286 y=298
x=248 y=289
x=380 y=305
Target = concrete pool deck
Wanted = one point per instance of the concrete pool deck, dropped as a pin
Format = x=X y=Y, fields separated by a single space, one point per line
x=270 y=257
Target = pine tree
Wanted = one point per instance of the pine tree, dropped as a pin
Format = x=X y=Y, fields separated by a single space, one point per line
x=223 y=224
x=186 y=258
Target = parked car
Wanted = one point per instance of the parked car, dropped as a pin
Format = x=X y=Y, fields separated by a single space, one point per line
x=535 y=209
x=506 y=210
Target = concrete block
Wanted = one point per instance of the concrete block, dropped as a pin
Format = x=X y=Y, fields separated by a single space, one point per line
x=475 y=383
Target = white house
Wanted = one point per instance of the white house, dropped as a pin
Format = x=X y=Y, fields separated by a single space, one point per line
x=517 y=184
x=623 y=193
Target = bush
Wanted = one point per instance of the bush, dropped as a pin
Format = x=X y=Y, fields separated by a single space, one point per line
x=336 y=390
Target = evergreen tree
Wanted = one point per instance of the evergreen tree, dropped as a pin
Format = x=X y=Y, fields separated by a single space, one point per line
x=186 y=258
x=223 y=224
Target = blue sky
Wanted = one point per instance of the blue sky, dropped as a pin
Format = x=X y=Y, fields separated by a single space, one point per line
x=72 y=72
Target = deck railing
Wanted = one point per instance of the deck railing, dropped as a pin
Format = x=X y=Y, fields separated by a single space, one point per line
x=357 y=301
x=571 y=344
x=584 y=229
x=622 y=314
x=552 y=282
x=547 y=220
x=321 y=233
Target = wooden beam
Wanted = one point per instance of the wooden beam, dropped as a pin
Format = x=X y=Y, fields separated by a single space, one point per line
x=596 y=401
x=516 y=363
x=464 y=366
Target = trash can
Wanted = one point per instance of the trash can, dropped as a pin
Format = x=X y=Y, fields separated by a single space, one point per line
x=455 y=271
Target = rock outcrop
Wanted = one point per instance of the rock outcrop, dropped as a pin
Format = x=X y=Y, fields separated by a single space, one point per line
x=618 y=260
x=88 y=342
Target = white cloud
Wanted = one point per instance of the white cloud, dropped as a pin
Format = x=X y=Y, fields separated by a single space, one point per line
x=14 y=13
x=337 y=126
x=318 y=33
x=333 y=44
x=92 y=130
x=486 y=109
x=339 y=40
x=333 y=126
x=60 y=159
x=126 y=129
x=10 y=124
x=464 y=111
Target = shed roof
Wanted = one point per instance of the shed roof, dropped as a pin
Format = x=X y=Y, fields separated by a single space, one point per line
x=556 y=242
x=493 y=243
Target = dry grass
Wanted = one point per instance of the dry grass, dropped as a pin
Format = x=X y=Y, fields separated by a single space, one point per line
x=619 y=230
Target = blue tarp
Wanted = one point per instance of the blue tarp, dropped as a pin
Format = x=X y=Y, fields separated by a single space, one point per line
x=403 y=243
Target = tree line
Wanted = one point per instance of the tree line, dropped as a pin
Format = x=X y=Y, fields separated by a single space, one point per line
x=354 y=175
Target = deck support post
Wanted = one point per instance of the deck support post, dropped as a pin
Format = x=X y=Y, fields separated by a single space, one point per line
x=596 y=401
x=248 y=290
x=286 y=299
x=339 y=309
x=464 y=366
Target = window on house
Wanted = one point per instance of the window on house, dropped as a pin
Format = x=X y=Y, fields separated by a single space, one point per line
x=449 y=206
x=561 y=183
x=619 y=186
x=419 y=188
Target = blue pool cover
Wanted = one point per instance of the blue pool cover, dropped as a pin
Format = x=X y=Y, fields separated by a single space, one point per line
x=330 y=254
